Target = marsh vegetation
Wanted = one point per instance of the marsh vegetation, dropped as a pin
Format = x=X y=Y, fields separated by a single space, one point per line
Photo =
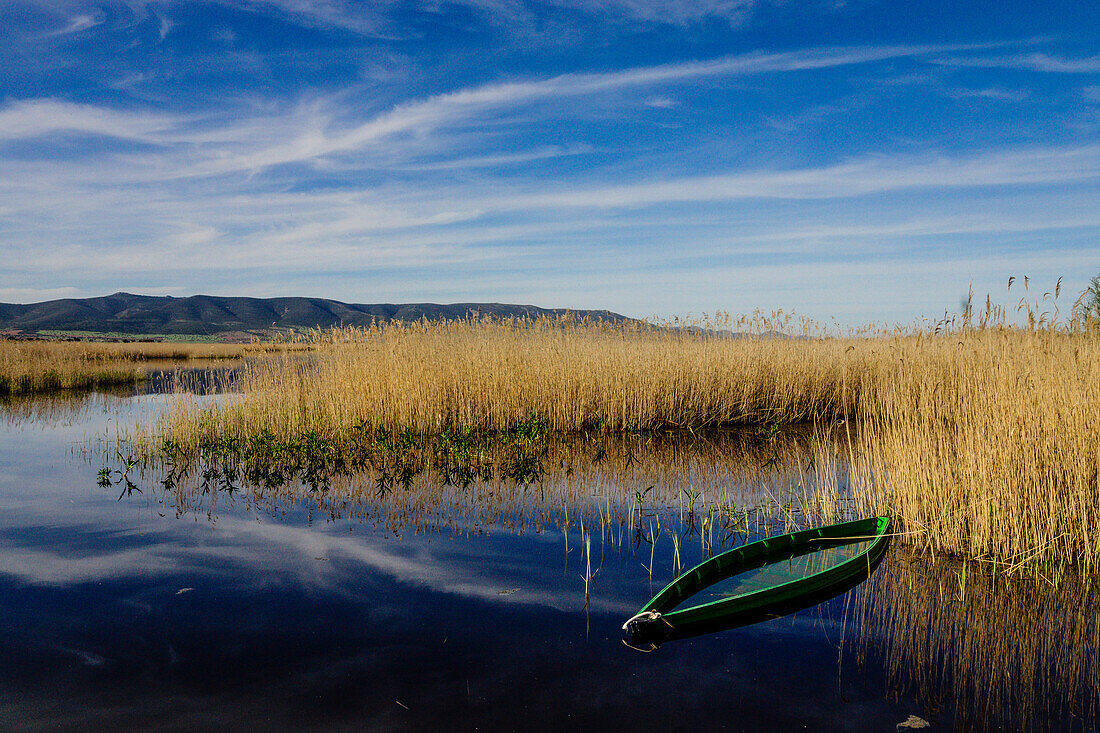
x=982 y=439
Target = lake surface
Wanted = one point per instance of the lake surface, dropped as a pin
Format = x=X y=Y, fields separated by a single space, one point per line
x=213 y=605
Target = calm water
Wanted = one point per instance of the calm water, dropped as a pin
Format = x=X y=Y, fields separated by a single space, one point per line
x=185 y=608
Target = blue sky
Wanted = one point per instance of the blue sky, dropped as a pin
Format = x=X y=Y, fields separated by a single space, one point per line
x=858 y=161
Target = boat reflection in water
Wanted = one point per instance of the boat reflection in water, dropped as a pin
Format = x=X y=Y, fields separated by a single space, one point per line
x=762 y=580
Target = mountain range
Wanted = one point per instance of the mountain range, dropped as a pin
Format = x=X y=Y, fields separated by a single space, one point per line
x=207 y=315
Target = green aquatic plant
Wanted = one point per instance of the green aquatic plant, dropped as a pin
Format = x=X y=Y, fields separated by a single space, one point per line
x=530 y=430
x=651 y=540
x=588 y=575
x=128 y=462
x=692 y=497
x=769 y=430
x=107 y=477
x=460 y=456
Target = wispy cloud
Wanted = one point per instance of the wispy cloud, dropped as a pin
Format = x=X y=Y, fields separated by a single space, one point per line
x=77 y=24
x=248 y=544
x=450 y=108
x=991 y=93
x=317 y=137
x=252 y=165
x=1029 y=62
x=165 y=26
x=497 y=161
x=366 y=18
x=34 y=295
x=166 y=235
x=660 y=102
x=376 y=17
x=665 y=12
x=40 y=118
x=855 y=178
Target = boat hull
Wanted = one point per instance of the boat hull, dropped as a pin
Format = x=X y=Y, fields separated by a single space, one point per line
x=658 y=622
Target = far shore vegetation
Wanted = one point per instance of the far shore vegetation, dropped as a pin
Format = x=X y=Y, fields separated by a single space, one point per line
x=119 y=336
x=978 y=433
x=41 y=365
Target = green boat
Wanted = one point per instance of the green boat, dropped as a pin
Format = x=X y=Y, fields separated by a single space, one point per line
x=761 y=580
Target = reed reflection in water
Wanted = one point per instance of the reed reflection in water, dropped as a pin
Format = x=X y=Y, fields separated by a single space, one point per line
x=720 y=486
x=163 y=383
x=1010 y=650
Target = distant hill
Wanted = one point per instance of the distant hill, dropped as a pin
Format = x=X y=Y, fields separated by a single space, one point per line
x=124 y=313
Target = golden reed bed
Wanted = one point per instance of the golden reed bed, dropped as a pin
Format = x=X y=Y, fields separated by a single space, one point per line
x=983 y=442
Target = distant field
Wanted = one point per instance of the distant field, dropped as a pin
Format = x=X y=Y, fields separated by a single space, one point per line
x=176 y=338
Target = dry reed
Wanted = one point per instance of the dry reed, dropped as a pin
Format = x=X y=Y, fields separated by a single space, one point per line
x=574 y=376
x=986 y=444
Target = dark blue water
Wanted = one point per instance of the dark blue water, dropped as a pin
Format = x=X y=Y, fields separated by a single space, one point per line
x=131 y=614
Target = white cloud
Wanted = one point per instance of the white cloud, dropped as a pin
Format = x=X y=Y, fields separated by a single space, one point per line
x=308 y=135
x=669 y=12
x=366 y=18
x=497 y=161
x=854 y=178
x=374 y=18
x=77 y=24
x=290 y=552
x=225 y=35
x=39 y=118
x=270 y=196
x=679 y=12
x=994 y=93
x=660 y=102
x=61 y=214
x=34 y=295
x=1030 y=62
x=165 y=26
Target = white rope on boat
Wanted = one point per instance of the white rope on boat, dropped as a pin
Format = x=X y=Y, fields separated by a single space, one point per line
x=643 y=616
